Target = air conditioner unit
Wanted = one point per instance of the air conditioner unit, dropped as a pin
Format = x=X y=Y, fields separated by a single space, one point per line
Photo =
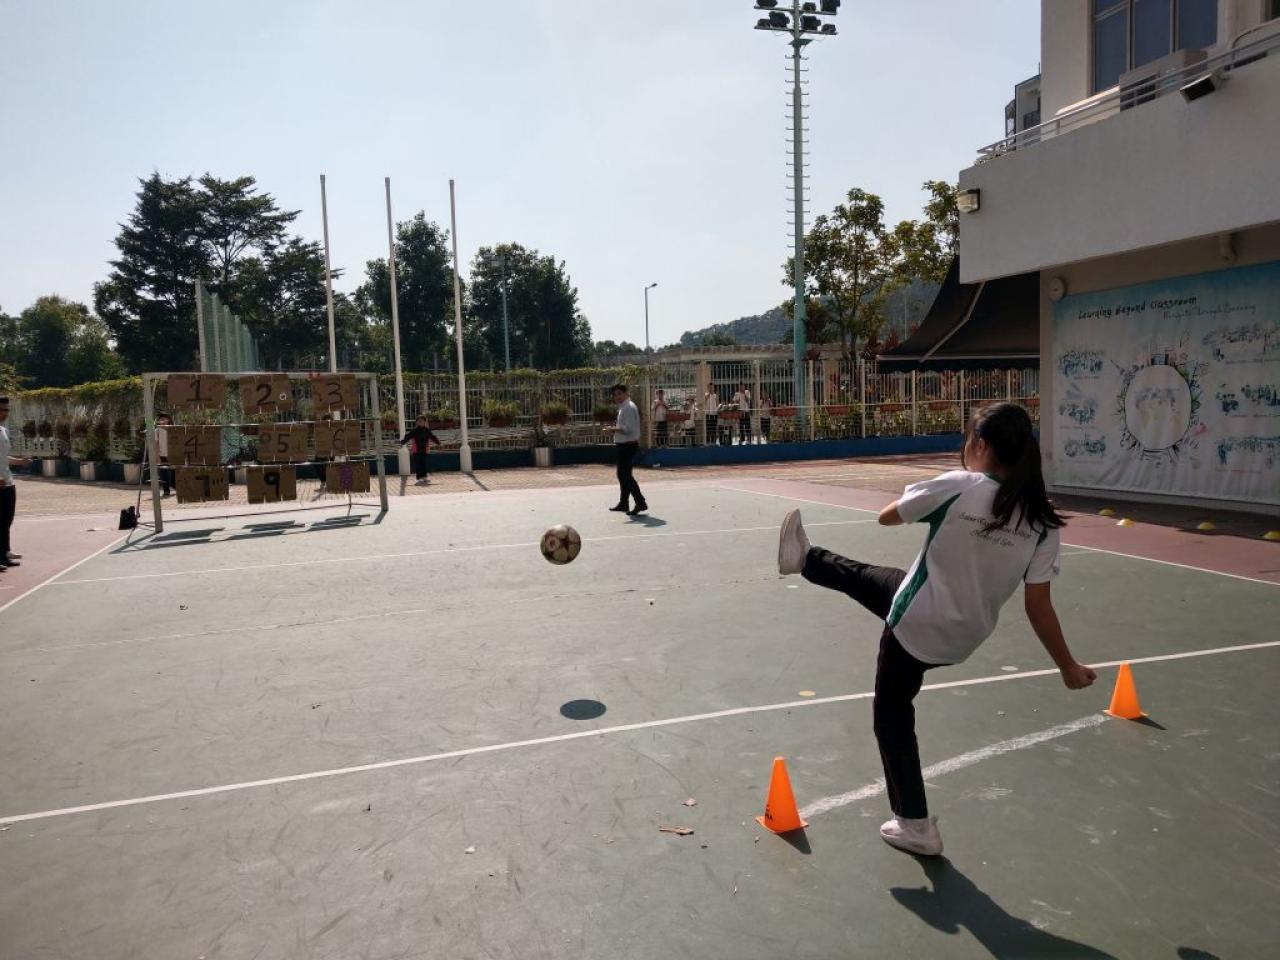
x=1141 y=85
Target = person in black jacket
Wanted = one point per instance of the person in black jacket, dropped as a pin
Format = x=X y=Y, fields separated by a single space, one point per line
x=421 y=436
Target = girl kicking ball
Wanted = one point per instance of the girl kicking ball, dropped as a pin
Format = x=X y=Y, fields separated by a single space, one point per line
x=991 y=525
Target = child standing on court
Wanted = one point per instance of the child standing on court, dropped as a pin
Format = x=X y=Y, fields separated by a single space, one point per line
x=422 y=438
x=991 y=526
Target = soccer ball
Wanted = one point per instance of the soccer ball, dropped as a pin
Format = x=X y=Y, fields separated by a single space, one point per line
x=561 y=544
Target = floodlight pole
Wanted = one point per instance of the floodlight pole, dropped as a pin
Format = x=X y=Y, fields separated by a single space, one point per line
x=402 y=452
x=797 y=28
x=328 y=280
x=646 y=315
x=506 y=332
x=204 y=346
x=464 y=452
x=797 y=186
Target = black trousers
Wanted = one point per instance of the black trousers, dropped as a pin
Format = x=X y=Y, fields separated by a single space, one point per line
x=626 y=480
x=744 y=428
x=712 y=420
x=420 y=465
x=899 y=676
x=8 y=504
x=661 y=428
x=766 y=423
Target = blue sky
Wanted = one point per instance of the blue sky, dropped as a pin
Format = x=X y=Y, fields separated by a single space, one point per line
x=637 y=141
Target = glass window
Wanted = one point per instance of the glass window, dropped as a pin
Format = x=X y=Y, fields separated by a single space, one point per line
x=1110 y=48
x=1102 y=6
x=1275 y=9
x=1152 y=30
x=1197 y=24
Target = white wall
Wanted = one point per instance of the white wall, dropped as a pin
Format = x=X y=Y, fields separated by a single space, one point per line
x=1160 y=173
x=1184 y=259
x=1064 y=54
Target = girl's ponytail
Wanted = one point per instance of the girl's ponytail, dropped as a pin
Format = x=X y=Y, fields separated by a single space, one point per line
x=1006 y=428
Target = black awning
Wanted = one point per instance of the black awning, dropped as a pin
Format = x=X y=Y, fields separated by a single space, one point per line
x=974 y=326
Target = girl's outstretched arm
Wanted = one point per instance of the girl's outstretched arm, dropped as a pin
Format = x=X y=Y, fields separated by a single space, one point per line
x=889 y=516
x=1044 y=621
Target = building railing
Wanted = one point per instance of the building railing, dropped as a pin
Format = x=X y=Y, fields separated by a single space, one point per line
x=1121 y=97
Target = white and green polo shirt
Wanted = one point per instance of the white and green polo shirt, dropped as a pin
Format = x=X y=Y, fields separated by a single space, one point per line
x=951 y=598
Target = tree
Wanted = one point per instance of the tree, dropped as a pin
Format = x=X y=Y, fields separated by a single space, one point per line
x=237 y=220
x=281 y=297
x=542 y=308
x=148 y=301
x=59 y=343
x=606 y=351
x=849 y=265
x=181 y=231
x=925 y=247
x=424 y=291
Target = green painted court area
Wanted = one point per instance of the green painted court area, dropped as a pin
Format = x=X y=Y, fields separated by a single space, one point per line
x=307 y=736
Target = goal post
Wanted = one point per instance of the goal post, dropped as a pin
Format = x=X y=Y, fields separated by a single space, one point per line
x=262 y=442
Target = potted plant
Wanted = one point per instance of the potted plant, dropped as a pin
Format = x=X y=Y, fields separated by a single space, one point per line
x=541 y=445
x=79 y=437
x=604 y=413
x=444 y=418
x=784 y=413
x=555 y=413
x=837 y=409
x=496 y=413
x=61 y=448
x=93 y=452
x=731 y=412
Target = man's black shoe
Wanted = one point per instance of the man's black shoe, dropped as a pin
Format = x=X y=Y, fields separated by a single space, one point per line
x=619 y=508
x=639 y=508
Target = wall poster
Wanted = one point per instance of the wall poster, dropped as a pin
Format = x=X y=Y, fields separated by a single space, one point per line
x=1171 y=387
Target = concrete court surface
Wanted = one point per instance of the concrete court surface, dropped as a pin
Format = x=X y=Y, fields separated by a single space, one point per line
x=181 y=716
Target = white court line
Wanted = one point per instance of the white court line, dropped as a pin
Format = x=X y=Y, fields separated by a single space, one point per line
x=583 y=734
x=525 y=544
x=49 y=580
x=952 y=764
x=1170 y=563
x=1079 y=546
x=820 y=503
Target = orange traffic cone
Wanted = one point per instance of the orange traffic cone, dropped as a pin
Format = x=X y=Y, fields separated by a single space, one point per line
x=1124 y=701
x=780 y=813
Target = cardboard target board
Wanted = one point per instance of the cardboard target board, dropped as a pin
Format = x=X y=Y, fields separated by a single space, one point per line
x=267 y=393
x=282 y=442
x=272 y=484
x=200 y=484
x=196 y=391
x=347 y=477
x=335 y=391
x=337 y=438
x=194 y=446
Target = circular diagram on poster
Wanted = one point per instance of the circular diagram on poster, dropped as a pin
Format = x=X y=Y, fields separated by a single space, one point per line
x=1157 y=407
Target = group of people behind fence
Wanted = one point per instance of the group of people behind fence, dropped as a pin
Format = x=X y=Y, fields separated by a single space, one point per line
x=741 y=417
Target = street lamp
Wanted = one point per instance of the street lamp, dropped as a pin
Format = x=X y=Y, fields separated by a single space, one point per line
x=646 y=315
x=802 y=22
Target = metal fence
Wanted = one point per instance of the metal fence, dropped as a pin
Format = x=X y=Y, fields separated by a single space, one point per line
x=707 y=402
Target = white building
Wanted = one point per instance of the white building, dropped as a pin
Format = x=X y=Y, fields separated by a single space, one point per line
x=1148 y=201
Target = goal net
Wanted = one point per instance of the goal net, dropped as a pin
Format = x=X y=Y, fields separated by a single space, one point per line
x=246 y=443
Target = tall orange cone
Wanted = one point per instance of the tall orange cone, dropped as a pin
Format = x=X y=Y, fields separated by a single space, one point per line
x=1124 y=701
x=780 y=813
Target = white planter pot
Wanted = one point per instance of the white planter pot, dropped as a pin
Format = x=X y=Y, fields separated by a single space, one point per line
x=542 y=456
x=50 y=468
x=92 y=470
x=242 y=473
x=133 y=473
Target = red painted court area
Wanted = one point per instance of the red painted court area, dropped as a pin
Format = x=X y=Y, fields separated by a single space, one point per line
x=1174 y=540
x=50 y=546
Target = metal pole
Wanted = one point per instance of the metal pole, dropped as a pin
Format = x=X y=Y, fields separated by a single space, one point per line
x=328 y=280
x=646 y=320
x=204 y=348
x=402 y=453
x=153 y=449
x=464 y=452
x=380 y=460
x=506 y=331
x=797 y=183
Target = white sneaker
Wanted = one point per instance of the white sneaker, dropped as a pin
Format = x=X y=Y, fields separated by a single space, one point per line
x=793 y=545
x=914 y=836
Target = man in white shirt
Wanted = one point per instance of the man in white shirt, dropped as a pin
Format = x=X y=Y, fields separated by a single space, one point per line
x=711 y=410
x=742 y=399
x=626 y=437
x=660 y=418
x=8 y=493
